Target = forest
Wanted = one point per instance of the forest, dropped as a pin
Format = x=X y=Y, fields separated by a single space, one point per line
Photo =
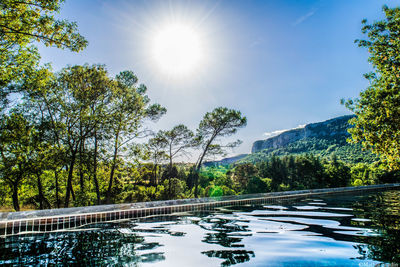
x=79 y=136
x=73 y=138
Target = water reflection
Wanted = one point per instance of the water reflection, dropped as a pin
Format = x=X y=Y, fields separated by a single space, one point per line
x=383 y=211
x=334 y=230
x=105 y=247
x=230 y=256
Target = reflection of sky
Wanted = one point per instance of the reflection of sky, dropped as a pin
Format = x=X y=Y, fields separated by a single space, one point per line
x=266 y=237
x=182 y=250
x=282 y=63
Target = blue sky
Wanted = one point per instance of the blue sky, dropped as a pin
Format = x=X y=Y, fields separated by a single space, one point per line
x=281 y=63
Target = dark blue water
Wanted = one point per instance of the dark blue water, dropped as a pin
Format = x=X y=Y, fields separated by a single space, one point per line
x=332 y=230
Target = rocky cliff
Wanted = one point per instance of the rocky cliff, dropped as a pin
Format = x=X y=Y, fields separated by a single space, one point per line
x=323 y=139
x=331 y=129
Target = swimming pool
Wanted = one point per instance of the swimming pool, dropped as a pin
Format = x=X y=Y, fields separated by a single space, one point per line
x=347 y=229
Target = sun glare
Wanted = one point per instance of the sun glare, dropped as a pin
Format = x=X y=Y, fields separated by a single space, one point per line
x=177 y=49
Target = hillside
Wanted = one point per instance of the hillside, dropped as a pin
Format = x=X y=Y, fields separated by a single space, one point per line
x=325 y=139
x=225 y=161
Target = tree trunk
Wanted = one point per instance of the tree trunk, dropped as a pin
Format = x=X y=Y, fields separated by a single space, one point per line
x=96 y=183
x=196 y=183
x=169 y=175
x=69 y=180
x=57 y=188
x=113 y=166
x=155 y=176
x=72 y=192
x=196 y=180
x=15 y=197
x=40 y=189
x=81 y=175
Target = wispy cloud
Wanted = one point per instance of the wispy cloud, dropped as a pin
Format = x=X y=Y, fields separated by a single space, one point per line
x=305 y=17
x=278 y=132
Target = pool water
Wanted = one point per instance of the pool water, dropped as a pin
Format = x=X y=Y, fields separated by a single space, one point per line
x=349 y=230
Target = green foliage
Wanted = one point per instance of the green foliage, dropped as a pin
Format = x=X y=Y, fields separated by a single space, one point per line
x=22 y=23
x=376 y=126
x=216 y=191
x=174 y=188
x=17 y=150
x=306 y=172
x=217 y=177
x=258 y=185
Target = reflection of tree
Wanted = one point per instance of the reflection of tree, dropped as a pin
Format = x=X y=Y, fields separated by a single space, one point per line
x=223 y=239
x=383 y=209
x=385 y=216
x=231 y=256
x=228 y=234
x=224 y=229
x=387 y=248
x=83 y=247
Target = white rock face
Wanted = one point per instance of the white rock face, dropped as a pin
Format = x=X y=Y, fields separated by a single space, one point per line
x=327 y=129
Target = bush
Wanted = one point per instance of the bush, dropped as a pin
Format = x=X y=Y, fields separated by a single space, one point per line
x=357 y=182
x=174 y=188
x=258 y=185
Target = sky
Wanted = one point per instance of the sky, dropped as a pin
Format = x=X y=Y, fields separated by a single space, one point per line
x=282 y=63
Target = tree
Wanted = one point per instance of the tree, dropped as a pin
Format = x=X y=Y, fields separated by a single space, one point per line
x=128 y=111
x=337 y=173
x=17 y=152
x=156 y=148
x=242 y=174
x=68 y=103
x=177 y=141
x=377 y=122
x=21 y=23
x=221 y=122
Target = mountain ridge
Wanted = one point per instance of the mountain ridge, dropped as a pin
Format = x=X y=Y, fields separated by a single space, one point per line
x=324 y=139
x=333 y=127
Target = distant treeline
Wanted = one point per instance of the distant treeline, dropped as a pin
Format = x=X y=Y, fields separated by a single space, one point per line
x=291 y=173
x=309 y=171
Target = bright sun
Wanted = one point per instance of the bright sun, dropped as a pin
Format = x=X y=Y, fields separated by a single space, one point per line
x=177 y=49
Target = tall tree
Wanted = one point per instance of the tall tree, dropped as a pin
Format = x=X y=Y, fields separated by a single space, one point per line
x=100 y=100
x=156 y=147
x=377 y=122
x=69 y=104
x=40 y=102
x=221 y=122
x=129 y=110
x=177 y=141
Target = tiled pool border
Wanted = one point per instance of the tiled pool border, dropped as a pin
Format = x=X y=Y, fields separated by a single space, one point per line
x=40 y=221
